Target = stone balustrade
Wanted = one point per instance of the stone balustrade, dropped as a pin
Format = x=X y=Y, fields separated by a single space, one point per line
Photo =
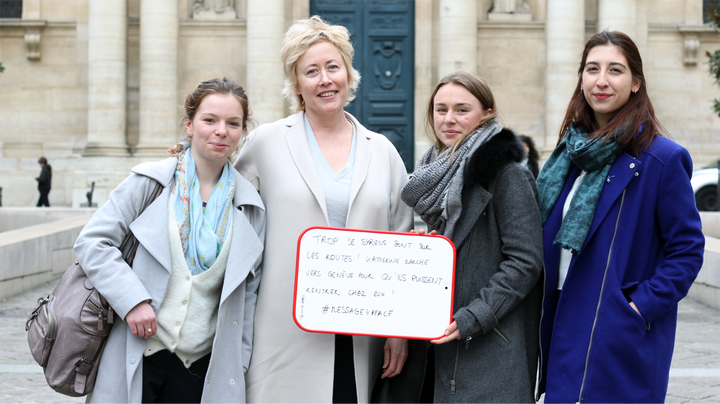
x=33 y=255
x=706 y=288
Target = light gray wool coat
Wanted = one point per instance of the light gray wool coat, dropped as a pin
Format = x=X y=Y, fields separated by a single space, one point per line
x=120 y=374
x=498 y=237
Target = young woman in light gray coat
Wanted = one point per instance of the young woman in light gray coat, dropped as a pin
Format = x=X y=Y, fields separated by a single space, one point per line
x=472 y=188
x=184 y=312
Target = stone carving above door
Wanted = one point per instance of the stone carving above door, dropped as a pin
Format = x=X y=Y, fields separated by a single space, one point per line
x=214 y=10
x=509 y=10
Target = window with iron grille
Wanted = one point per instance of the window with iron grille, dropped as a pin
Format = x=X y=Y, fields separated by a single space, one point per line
x=10 y=8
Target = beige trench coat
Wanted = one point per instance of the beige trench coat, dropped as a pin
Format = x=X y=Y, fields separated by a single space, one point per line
x=289 y=364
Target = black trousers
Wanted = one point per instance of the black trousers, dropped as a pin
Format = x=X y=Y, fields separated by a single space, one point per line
x=43 y=201
x=167 y=380
x=344 y=390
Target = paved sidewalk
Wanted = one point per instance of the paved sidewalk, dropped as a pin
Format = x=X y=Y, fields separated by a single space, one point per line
x=694 y=377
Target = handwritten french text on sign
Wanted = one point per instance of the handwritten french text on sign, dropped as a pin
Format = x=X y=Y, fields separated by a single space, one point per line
x=374 y=283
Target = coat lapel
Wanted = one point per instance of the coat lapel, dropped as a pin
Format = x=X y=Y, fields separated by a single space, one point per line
x=246 y=250
x=246 y=246
x=363 y=154
x=481 y=198
x=151 y=229
x=621 y=172
x=302 y=157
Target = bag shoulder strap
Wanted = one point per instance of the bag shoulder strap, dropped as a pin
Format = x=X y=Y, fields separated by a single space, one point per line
x=130 y=237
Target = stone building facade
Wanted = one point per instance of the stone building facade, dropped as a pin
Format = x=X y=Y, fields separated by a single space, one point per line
x=96 y=86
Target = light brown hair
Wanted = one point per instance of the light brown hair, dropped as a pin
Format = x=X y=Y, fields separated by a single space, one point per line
x=477 y=86
x=224 y=86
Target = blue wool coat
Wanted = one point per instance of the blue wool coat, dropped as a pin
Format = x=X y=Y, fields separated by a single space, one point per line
x=645 y=245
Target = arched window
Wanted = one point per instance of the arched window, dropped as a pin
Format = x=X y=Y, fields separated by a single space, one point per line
x=707 y=5
x=10 y=8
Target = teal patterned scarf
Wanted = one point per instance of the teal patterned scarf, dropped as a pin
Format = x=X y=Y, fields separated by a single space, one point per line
x=202 y=229
x=592 y=156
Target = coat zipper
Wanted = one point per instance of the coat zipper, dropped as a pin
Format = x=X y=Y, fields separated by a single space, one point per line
x=540 y=352
x=102 y=314
x=602 y=289
x=462 y=303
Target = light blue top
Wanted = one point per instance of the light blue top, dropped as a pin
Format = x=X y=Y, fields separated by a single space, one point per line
x=336 y=186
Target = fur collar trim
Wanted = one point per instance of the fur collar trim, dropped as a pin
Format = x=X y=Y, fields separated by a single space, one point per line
x=499 y=151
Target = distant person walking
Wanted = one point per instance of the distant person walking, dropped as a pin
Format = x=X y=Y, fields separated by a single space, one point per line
x=44 y=181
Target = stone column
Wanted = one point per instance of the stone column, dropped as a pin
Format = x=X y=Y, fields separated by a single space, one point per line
x=617 y=15
x=565 y=40
x=107 y=79
x=159 y=110
x=457 y=36
x=265 y=30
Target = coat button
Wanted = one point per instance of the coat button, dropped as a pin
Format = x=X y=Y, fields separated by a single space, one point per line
x=632 y=165
x=636 y=174
x=132 y=360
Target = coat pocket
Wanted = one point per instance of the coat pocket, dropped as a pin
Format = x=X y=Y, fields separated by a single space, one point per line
x=41 y=331
x=502 y=336
x=627 y=289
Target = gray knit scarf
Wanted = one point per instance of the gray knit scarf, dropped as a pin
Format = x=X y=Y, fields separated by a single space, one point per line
x=435 y=188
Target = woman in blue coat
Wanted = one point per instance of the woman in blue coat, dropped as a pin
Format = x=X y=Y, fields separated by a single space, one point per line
x=622 y=237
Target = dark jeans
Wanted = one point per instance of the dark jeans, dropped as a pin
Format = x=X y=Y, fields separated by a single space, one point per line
x=167 y=380
x=43 y=201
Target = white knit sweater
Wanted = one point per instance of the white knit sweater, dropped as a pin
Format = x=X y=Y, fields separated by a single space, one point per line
x=187 y=317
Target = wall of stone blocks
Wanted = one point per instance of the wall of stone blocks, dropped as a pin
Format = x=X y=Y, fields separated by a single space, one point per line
x=43 y=103
x=17 y=218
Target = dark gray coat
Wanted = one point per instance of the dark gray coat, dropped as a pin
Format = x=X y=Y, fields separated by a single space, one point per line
x=498 y=237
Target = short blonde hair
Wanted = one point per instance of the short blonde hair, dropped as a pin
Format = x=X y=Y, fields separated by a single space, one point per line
x=298 y=39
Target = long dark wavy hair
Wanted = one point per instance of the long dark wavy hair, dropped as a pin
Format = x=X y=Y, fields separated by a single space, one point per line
x=636 y=113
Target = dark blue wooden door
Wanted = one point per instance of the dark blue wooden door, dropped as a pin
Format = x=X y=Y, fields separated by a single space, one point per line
x=383 y=36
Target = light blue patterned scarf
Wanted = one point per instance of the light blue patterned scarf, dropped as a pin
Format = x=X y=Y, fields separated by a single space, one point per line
x=202 y=230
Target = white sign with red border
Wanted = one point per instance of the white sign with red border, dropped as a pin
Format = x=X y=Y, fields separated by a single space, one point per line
x=374 y=283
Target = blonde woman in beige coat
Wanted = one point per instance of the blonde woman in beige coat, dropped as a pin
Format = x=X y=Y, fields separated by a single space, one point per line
x=352 y=179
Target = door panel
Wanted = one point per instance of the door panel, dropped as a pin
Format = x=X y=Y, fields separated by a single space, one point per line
x=382 y=32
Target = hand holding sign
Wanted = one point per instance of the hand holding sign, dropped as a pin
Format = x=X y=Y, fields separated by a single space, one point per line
x=374 y=283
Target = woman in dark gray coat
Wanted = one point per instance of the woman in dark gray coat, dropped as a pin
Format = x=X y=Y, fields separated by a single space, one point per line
x=472 y=188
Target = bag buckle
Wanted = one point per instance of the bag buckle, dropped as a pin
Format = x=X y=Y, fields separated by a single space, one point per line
x=41 y=302
x=84 y=366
